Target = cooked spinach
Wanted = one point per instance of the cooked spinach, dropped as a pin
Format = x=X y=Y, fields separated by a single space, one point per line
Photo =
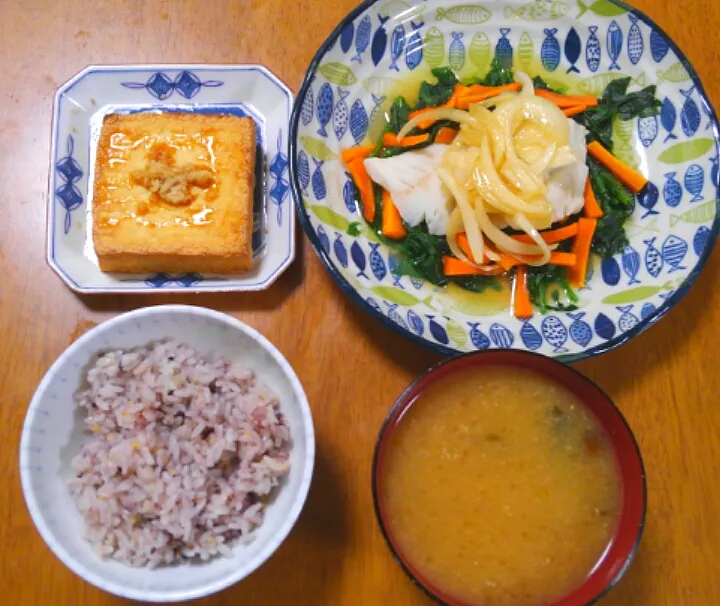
x=538 y=82
x=617 y=204
x=421 y=255
x=354 y=228
x=552 y=280
x=498 y=75
x=476 y=283
x=616 y=101
x=432 y=95
x=398 y=115
x=389 y=152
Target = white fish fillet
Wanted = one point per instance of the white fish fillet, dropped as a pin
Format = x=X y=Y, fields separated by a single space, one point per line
x=566 y=185
x=411 y=178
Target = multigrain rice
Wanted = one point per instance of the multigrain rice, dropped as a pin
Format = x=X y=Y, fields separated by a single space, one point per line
x=184 y=454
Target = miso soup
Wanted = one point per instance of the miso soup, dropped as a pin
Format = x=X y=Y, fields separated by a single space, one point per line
x=500 y=488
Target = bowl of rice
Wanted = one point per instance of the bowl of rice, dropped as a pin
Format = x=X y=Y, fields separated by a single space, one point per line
x=167 y=453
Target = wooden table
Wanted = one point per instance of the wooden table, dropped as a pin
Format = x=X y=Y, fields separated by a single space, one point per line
x=666 y=380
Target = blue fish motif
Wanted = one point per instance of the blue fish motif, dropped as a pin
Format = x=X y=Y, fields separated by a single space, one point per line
x=604 y=327
x=555 y=333
x=414 y=47
x=658 y=46
x=550 y=50
x=416 y=324
x=393 y=263
x=695 y=181
x=647 y=198
x=303 y=171
x=377 y=265
x=318 y=181
x=700 y=240
x=379 y=43
x=307 y=109
x=648 y=130
x=340 y=250
x=627 y=320
x=358 y=257
x=593 y=50
x=324 y=240
x=504 y=50
x=610 y=270
x=653 y=258
x=478 y=337
x=346 y=37
x=418 y=284
x=672 y=190
x=530 y=336
x=374 y=304
x=668 y=117
x=635 y=43
x=674 y=250
x=689 y=114
x=580 y=331
x=359 y=122
x=324 y=108
x=572 y=49
x=397 y=46
x=614 y=44
x=349 y=194
x=631 y=264
x=456 y=54
x=340 y=114
x=362 y=39
x=647 y=310
x=395 y=316
x=437 y=331
x=501 y=336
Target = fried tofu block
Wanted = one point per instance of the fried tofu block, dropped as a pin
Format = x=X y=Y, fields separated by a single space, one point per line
x=173 y=192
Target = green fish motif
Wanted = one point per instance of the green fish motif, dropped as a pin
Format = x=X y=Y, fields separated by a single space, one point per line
x=639 y=293
x=596 y=85
x=379 y=85
x=602 y=8
x=400 y=10
x=464 y=14
x=526 y=50
x=675 y=73
x=434 y=47
x=622 y=135
x=378 y=123
x=401 y=297
x=338 y=74
x=318 y=149
x=480 y=51
x=624 y=129
x=456 y=332
x=538 y=10
x=684 y=152
x=698 y=214
x=330 y=217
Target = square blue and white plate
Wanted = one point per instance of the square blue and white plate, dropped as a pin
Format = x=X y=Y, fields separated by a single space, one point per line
x=79 y=108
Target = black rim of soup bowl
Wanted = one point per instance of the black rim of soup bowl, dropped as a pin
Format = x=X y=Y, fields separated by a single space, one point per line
x=541 y=365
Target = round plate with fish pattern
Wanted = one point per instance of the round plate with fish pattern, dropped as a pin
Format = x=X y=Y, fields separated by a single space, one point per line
x=577 y=45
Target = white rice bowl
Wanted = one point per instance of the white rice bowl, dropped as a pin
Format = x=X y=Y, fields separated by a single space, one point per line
x=56 y=430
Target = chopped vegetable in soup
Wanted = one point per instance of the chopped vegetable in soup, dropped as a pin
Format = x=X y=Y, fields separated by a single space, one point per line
x=500 y=488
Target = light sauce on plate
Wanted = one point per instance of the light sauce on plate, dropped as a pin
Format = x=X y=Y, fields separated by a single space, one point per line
x=500 y=488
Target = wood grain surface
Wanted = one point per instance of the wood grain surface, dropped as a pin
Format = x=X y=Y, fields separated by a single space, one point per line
x=666 y=381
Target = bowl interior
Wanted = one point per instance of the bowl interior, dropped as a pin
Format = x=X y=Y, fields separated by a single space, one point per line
x=629 y=463
x=53 y=432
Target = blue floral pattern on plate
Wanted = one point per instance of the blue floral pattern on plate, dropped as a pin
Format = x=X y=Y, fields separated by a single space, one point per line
x=385 y=43
x=81 y=104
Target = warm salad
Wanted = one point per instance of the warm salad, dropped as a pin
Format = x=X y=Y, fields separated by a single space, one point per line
x=502 y=176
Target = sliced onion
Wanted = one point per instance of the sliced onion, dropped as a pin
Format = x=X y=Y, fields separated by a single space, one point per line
x=495 y=131
x=544 y=160
x=441 y=113
x=525 y=225
x=455 y=227
x=468 y=217
x=528 y=88
x=502 y=240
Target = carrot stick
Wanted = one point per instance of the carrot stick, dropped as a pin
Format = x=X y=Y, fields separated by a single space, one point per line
x=352 y=153
x=556 y=258
x=574 y=111
x=521 y=305
x=629 y=176
x=563 y=101
x=483 y=94
x=551 y=236
x=491 y=91
x=581 y=248
x=445 y=135
x=592 y=208
x=451 y=104
x=391 y=140
x=392 y=225
x=365 y=185
x=452 y=266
